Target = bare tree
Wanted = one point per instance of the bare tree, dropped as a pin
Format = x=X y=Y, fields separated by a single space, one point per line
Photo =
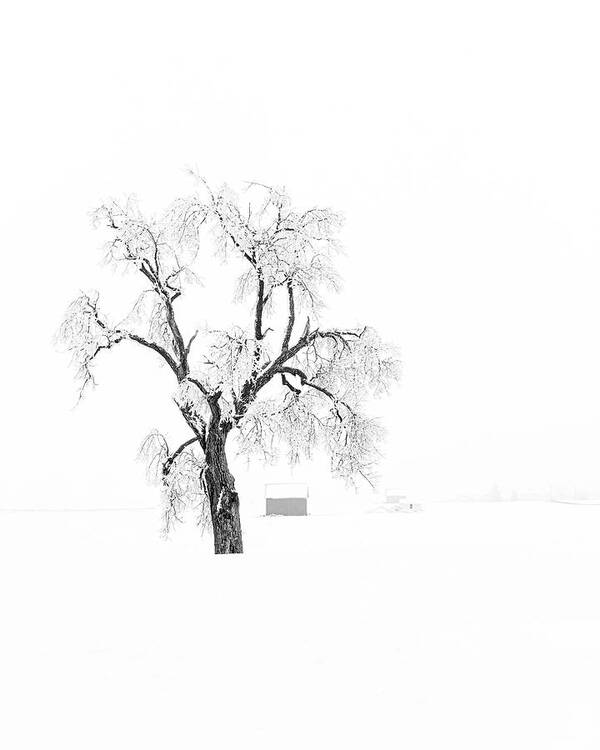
x=279 y=380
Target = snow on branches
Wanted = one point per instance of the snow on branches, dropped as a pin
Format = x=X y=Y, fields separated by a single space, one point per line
x=163 y=248
x=84 y=333
x=231 y=357
x=279 y=379
x=324 y=388
x=285 y=247
x=306 y=420
x=179 y=475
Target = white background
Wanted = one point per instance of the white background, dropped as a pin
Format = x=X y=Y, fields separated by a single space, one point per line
x=459 y=139
x=462 y=142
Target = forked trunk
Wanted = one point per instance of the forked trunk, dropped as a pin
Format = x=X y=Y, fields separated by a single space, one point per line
x=224 y=500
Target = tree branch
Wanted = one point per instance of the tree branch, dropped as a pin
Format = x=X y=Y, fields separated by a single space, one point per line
x=180 y=347
x=196 y=424
x=201 y=387
x=189 y=344
x=287 y=383
x=155 y=347
x=304 y=340
x=305 y=381
x=168 y=295
x=212 y=399
x=171 y=459
x=291 y=317
x=260 y=305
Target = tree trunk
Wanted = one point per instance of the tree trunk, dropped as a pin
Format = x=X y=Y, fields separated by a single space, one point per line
x=227 y=529
x=224 y=500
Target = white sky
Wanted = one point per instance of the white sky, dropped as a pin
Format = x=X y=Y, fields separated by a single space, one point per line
x=460 y=140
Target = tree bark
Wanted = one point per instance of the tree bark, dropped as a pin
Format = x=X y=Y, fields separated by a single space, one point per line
x=223 y=498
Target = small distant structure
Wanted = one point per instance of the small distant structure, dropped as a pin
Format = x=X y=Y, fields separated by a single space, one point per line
x=286 y=499
x=396 y=499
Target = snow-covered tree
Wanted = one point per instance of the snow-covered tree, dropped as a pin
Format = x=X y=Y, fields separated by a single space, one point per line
x=279 y=380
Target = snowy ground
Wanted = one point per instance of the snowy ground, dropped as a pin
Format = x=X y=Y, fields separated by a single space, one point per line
x=464 y=626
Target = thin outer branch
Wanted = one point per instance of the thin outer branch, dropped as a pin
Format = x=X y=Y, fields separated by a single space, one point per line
x=305 y=381
x=197 y=426
x=219 y=215
x=171 y=459
x=153 y=275
x=287 y=383
x=155 y=347
x=189 y=344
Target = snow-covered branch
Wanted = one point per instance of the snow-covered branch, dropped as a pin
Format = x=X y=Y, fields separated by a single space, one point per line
x=180 y=476
x=304 y=421
x=84 y=333
x=162 y=249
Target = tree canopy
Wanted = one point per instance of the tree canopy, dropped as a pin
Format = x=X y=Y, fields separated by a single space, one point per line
x=278 y=378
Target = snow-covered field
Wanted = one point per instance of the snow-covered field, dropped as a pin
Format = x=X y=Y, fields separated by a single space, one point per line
x=464 y=626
